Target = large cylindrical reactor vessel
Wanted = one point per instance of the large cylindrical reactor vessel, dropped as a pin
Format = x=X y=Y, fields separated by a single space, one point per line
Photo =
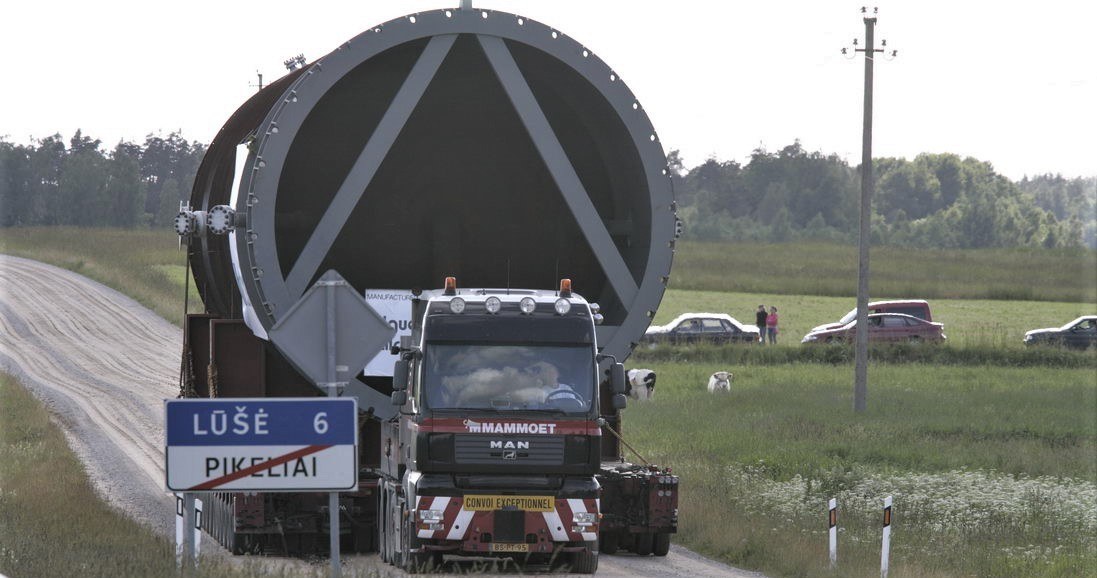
x=472 y=143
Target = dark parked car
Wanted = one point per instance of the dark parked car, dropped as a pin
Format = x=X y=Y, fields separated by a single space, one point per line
x=883 y=328
x=702 y=328
x=1080 y=333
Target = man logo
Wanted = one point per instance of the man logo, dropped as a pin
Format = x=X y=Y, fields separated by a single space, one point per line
x=510 y=455
x=509 y=445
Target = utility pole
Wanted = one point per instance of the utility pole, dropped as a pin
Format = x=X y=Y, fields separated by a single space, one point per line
x=860 y=379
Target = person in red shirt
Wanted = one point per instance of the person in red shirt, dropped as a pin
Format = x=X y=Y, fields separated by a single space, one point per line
x=771 y=325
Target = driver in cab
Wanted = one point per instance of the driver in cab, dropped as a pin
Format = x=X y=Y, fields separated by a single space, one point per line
x=556 y=393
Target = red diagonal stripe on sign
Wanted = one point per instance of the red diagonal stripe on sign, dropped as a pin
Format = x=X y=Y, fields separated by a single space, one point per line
x=257 y=467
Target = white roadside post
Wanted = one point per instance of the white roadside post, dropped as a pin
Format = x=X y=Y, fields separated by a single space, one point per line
x=832 y=525
x=197 y=530
x=178 y=531
x=885 y=548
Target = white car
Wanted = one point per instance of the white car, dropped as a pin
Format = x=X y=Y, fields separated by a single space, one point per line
x=702 y=328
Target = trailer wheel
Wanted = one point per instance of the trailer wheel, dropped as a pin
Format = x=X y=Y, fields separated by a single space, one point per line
x=643 y=544
x=585 y=562
x=609 y=543
x=661 y=544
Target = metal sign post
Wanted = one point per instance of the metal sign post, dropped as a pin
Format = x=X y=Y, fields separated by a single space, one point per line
x=330 y=334
x=188 y=535
x=333 y=387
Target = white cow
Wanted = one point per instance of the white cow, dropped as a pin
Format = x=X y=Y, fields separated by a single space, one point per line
x=641 y=383
x=720 y=381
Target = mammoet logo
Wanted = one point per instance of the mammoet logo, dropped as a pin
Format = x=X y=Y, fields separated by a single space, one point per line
x=509 y=445
x=510 y=428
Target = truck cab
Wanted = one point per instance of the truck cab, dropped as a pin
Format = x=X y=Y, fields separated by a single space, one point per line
x=497 y=444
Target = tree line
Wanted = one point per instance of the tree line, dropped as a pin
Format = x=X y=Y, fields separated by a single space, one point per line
x=933 y=201
x=81 y=184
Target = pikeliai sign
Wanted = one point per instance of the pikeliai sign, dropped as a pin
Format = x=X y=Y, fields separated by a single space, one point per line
x=262 y=444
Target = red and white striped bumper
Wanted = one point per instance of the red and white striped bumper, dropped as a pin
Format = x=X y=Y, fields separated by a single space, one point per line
x=468 y=526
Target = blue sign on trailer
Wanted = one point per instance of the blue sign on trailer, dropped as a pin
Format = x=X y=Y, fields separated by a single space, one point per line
x=262 y=444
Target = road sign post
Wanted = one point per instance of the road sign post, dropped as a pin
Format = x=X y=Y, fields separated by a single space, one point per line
x=329 y=335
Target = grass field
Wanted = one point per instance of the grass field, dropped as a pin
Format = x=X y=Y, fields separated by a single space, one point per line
x=993 y=468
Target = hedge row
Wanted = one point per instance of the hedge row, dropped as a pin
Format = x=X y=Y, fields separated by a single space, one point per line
x=837 y=354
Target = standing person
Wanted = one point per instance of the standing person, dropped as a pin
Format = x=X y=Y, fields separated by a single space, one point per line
x=760 y=321
x=771 y=325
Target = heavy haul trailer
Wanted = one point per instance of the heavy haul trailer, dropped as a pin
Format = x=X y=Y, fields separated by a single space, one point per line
x=472 y=143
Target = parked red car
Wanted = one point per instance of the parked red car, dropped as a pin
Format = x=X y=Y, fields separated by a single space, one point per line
x=916 y=307
x=883 y=328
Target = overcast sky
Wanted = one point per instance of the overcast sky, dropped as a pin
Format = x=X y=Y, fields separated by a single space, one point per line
x=1012 y=83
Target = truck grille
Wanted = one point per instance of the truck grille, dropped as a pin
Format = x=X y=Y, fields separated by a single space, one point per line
x=503 y=449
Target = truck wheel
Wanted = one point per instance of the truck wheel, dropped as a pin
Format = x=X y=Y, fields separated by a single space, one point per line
x=643 y=544
x=585 y=562
x=382 y=524
x=609 y=543
x=661 y=544
x=414 y=563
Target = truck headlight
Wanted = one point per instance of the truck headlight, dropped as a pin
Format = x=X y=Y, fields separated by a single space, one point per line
x=430 y=515
x=493 y=305
x=457 y=305
x=562 y=306
x=527 y=305
x=585 y=518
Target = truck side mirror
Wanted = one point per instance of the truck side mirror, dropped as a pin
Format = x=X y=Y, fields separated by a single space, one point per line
x=619 y=401
x=400 y=374
x=617 y=377
x=399 y=397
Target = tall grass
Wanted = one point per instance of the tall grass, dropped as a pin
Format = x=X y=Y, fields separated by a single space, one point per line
x=147 y=265
x=812 y=268
x=993 y=470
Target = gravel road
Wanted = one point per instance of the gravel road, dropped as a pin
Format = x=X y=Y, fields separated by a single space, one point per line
x=104 y=365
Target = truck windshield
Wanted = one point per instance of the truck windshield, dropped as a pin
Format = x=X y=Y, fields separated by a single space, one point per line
x=508 y=377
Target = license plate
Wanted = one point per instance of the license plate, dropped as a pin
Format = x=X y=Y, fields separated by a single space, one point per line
x=502 y=547
x=482 y=503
